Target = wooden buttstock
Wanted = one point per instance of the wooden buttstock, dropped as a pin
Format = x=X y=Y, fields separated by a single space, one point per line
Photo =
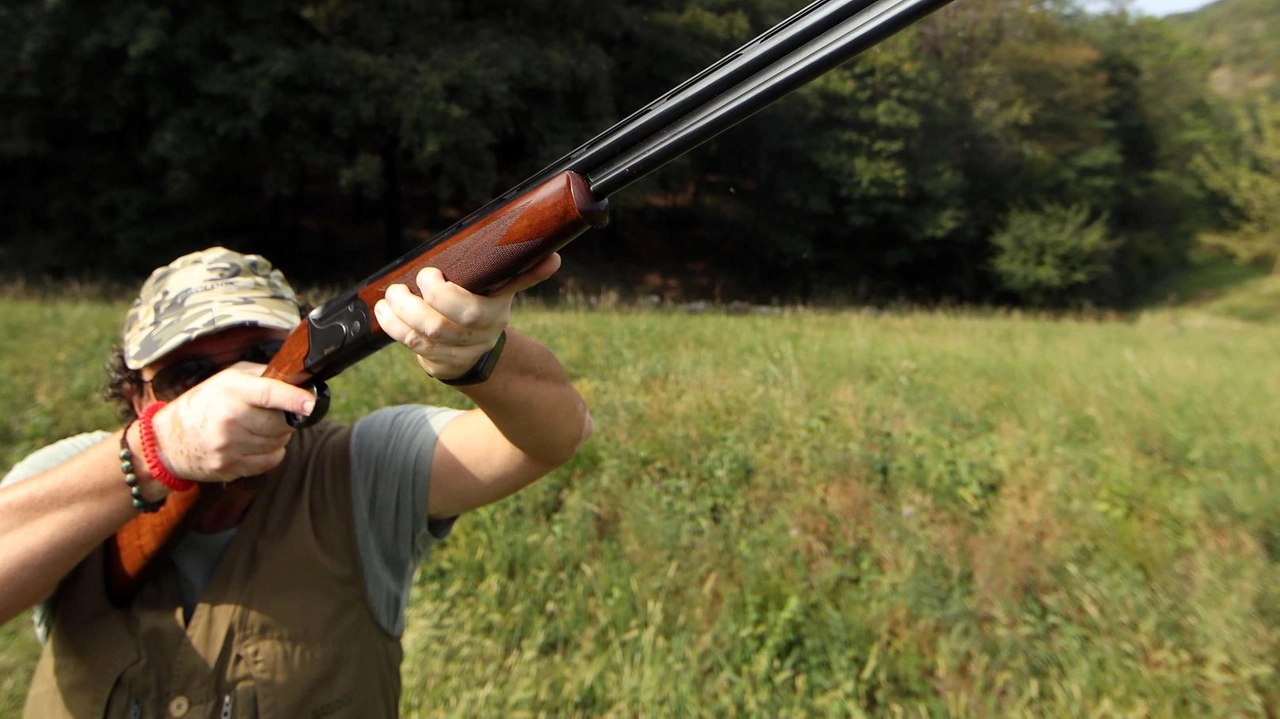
x=133 y=548
x=481 y=256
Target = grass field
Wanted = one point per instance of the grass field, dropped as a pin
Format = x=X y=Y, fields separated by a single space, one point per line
x=829 y=514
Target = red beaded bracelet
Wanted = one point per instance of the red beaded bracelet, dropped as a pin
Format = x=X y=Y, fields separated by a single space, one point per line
x=151 y=454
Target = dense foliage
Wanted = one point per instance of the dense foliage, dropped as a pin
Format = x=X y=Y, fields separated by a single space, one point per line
x=1248 y=181
x=332 y=136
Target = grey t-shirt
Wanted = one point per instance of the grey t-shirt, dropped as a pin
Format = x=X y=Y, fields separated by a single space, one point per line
x=391 y=451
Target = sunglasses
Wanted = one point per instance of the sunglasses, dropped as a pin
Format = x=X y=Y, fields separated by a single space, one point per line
x=182 y=376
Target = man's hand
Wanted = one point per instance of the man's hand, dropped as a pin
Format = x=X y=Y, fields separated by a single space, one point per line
x=230 y=426
x=448 y=327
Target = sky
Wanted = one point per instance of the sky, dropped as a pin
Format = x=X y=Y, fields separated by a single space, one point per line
x=1160 y=8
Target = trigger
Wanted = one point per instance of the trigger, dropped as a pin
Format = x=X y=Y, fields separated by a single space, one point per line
x=321 y=391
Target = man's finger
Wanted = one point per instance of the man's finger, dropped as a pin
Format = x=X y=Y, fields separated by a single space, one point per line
x=275 y=394
x=251 y=444
x=261 y=463
x=391 y=317
x=463 y=310
x=443 y=314
x=252 y=369
x=266 y=425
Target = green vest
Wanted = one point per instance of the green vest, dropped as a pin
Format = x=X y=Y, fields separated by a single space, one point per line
x=283 y=630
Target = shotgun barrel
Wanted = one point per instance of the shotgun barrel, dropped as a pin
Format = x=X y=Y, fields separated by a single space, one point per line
x=782 y=59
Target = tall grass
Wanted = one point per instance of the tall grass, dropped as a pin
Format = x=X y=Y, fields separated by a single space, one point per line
x=828 y=514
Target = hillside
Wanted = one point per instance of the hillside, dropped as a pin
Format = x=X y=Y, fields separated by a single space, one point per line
x=1219 y=290
x=1240 y=36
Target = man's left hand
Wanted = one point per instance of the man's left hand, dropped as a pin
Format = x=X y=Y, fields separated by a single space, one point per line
x=448 y=327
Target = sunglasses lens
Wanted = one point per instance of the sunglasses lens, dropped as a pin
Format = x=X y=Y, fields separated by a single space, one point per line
x=176 y=379
x=262 y=353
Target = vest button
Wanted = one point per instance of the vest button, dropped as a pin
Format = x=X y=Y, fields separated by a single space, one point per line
x=179 y=706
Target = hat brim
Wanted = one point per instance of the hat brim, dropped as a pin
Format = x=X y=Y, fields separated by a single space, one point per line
x=149 y=344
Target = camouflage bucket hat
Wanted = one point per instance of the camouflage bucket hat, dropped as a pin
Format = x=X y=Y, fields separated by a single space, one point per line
x=202 y=293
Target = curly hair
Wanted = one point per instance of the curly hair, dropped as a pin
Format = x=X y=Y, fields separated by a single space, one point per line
x=123 y=384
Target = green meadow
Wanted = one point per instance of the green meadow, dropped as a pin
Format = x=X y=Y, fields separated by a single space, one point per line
x=829 y=514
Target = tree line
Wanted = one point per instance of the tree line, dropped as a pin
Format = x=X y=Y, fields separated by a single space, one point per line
x=1009 y=151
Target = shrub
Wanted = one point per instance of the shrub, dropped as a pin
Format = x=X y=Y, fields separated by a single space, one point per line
x=1052 y=256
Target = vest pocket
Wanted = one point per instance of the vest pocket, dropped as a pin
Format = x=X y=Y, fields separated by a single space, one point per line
x=300 y=679
x=82 y=681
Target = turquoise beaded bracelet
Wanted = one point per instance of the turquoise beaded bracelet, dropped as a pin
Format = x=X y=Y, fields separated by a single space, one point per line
x=131 y=479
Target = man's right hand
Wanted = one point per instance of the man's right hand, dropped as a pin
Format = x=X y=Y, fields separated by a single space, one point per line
x=232 y=425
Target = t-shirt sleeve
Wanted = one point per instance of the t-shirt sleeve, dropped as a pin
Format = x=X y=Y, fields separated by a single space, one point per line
x=50 y=456
x=391 y=452
x=43 y=460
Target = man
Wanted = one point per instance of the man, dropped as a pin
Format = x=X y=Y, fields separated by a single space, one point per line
x=288 y=600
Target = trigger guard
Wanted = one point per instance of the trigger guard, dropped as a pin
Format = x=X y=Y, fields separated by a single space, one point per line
x=321 y=391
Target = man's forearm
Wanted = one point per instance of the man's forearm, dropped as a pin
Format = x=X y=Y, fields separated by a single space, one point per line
x=51 y=521
x=530 y=400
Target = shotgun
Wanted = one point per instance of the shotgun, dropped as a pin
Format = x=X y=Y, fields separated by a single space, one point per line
x=516 y=230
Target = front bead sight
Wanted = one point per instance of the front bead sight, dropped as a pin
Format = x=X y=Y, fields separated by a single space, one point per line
x=321 y=391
